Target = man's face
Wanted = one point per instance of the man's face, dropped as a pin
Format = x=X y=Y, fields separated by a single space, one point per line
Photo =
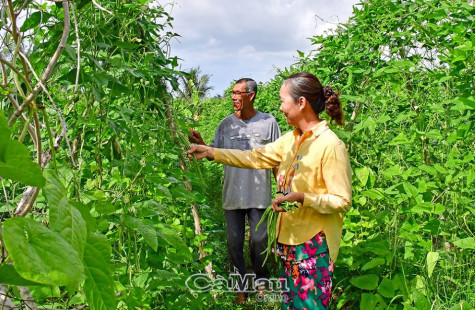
x=241 y=101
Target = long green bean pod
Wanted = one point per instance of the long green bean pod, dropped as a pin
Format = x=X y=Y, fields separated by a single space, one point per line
x=272 y=218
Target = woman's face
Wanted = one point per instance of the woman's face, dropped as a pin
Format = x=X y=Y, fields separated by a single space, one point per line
x=289 y=107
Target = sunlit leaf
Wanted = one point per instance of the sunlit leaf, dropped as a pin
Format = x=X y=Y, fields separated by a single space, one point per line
x=467 y=243
x=373 y=263
x=362 y=174
x=34 y=20
x=462 y=305
x=63 y=217
x=432 y=258
x=400 y=139
x=15 y=160
x=8 y=275
x=99 y=284
x=392 y=171
x=367 y=282
x=373 y=194
x=41 y=255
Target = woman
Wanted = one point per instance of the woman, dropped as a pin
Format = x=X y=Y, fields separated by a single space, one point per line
x=314 y=171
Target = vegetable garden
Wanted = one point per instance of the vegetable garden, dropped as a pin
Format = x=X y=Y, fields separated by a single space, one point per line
x=99 y=208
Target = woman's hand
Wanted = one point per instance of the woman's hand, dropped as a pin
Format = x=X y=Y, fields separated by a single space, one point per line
x=200 y=151
x=291 y=197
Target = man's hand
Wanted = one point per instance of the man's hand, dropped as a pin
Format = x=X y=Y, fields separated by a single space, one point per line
x=195 y=137
x=200 y=151
x=291 y=197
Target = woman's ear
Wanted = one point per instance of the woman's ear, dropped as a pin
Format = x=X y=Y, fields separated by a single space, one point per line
x=302 y=102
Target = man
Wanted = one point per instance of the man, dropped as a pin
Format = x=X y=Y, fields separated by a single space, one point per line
x=246 y=192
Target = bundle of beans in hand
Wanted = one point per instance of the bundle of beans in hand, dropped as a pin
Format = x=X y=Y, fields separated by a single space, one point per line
x=272 y=217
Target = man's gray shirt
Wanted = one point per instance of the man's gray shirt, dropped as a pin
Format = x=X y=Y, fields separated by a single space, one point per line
x=246 y=188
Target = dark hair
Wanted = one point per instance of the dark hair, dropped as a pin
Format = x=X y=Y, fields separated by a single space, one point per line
x=251 y=85
x=307 y=85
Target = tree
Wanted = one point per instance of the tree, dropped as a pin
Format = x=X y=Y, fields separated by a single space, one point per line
x=192 y=83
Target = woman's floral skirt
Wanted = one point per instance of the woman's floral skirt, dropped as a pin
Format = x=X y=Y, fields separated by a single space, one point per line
x=306 y=274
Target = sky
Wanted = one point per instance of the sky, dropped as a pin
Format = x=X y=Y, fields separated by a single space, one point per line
x=233 y=39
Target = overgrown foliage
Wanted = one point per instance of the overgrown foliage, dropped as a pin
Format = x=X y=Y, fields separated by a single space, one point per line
x=406 y=72
x=111 y=226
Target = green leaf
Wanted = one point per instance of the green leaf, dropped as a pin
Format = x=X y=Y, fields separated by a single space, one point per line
x=63 y=217
x=368 y=301
x=386 y=288
x=126 y=45
x=432 y=258
x=468 y=102
x=363 y=174
x=147 y=230
x=373 y=194
x=8 y=275
x=383 y=119
x=380 y=247
x=171 y=236
x=368 y=123
x=352 y=98
x=420 y=300
x=101 y=78
x=428 y=169
x=41 y=255
x=163 y=278
x=34 y=20
x=400 y=139
x=164 y=190
x=86 y=215
x=438 y=208
x=410 y=189
x=408 y=251
x=15 y=161
x=440 y=169
x=99 y=284
x=373 y=263
x=392 y=171
x=423 y=207
x=434 y=134
x=104 y=207
x=467 y=243
x=367 y=282
x=461 y=305
x=117 y=89
x=180 y=192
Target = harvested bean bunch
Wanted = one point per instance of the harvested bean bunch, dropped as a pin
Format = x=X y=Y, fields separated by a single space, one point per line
x=272 y=218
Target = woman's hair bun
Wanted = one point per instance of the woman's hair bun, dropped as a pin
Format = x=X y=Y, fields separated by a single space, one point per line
x=333 y=105
x=328 y=93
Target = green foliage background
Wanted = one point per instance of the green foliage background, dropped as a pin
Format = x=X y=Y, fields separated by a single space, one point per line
x=120 y=214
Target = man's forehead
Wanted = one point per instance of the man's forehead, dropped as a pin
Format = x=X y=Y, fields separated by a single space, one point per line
x=240 y=85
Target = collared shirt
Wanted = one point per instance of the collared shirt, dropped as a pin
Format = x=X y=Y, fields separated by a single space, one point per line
x=315 y=163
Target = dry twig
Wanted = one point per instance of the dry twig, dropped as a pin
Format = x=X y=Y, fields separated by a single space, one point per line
x=101 y=8
x=64 y=126
x=49 y=69
x=78 y=48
